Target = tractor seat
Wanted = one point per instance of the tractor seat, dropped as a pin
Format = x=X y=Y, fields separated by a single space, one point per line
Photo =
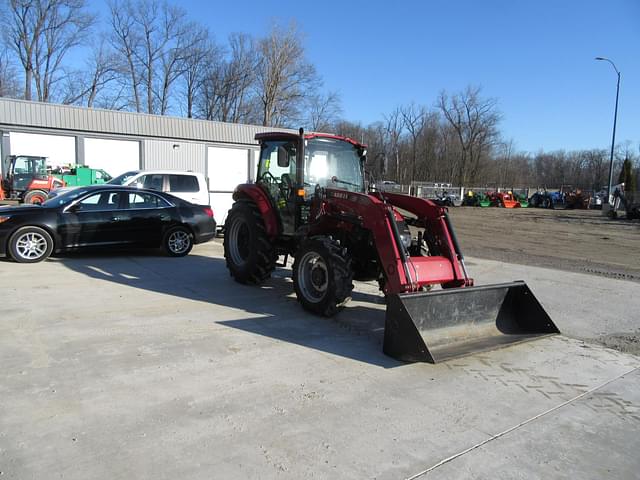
x=286 y=179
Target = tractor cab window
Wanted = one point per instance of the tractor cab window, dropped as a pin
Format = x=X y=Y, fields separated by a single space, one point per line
x=277 y=169
x=31 y=166
x=332 y=163
x=25 y=169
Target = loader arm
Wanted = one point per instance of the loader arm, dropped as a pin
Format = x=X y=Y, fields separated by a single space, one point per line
x=435 y=220
x=376 y=213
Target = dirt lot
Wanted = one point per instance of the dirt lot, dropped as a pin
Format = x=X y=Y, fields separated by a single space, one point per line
x=581 y=241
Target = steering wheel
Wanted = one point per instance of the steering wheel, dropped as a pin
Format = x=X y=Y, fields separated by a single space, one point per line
x=268 y=177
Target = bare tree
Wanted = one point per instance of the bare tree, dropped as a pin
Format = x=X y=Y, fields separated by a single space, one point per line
x=427 y=147
x=394 y=129
x=413 y=119
x=199 y=49
x=240 y=77
x=8 y=83
x=475 y=122
x=126 y=42
x=596 y=164
x=181 y=39
x=226 y=88
x=41 y=33
x=323 y=110
x=284 y=77
x=447 y=151
x=101 y=70
x=154 y=40
x=377 y=150
x=504 y=162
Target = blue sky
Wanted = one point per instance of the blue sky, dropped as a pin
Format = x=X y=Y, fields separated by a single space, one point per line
x=536 y=58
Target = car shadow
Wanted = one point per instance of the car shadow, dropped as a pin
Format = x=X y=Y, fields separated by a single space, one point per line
x=270 y=310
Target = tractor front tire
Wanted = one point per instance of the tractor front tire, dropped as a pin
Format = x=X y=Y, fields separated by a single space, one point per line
x=322 y=276
x=248 y=251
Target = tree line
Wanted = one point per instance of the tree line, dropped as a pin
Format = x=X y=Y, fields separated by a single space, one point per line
x=148 y=56
x=458 y=141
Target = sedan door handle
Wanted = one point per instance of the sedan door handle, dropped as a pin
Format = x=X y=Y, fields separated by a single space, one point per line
x=116 y=219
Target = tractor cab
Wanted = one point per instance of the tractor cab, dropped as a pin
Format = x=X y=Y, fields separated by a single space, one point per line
x=24 y=169
x=293 y=168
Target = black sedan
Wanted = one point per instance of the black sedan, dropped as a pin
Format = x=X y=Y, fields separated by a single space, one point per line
x=104 y=216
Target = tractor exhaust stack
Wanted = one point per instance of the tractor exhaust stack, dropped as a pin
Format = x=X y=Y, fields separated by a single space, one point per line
x=437 y=326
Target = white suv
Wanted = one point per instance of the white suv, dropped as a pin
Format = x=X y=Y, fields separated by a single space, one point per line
x=189 y=186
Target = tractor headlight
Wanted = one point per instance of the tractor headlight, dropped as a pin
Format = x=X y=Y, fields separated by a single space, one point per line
x=405 y=234
x=406 y=239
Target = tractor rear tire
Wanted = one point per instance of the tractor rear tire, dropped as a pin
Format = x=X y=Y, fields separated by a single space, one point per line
x=322 y=276
x=248 y=251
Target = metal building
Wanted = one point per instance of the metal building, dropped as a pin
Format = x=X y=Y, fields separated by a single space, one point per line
x=116 y=141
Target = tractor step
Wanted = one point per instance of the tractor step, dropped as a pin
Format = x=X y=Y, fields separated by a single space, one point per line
x=437 y=326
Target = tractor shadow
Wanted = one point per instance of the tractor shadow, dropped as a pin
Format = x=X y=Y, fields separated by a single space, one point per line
x=270 y=310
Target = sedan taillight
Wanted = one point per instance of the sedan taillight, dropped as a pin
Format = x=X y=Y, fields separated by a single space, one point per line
x=208 y=211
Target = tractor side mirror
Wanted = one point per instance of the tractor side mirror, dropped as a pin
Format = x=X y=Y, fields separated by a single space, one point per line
x=283 y=157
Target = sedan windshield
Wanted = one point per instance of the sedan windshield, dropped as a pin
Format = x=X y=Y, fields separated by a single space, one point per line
x=64 y=198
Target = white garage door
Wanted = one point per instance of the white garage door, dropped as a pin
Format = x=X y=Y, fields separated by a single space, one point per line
x=173 y=155
x=226 y=169
x=112 y=156
x=59 y=150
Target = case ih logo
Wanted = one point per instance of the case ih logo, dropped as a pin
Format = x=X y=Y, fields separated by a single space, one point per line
x=342 y=195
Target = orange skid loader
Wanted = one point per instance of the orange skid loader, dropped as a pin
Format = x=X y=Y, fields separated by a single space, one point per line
x=27 y=180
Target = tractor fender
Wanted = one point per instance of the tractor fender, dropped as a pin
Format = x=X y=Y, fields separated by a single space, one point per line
x=254 y=193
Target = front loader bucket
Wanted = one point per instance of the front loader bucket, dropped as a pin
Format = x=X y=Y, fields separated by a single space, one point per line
x=437 y=326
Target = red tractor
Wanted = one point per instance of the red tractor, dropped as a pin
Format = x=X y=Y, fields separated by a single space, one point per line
x=27 y=180
x=309 y=201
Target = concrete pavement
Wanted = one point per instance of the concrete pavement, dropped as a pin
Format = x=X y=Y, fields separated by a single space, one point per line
x=141 y=366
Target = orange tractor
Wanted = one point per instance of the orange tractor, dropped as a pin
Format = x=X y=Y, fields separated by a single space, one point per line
x=503 y=199
x=309 y=200
x=27 y=180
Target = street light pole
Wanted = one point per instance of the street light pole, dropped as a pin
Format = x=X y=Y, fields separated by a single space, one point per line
x=615 y=119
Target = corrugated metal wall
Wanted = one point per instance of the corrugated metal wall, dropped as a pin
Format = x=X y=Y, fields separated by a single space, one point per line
x=171 y=155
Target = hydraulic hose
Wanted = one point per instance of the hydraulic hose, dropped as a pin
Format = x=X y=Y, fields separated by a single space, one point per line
x=398 y=240
x=456 y=245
